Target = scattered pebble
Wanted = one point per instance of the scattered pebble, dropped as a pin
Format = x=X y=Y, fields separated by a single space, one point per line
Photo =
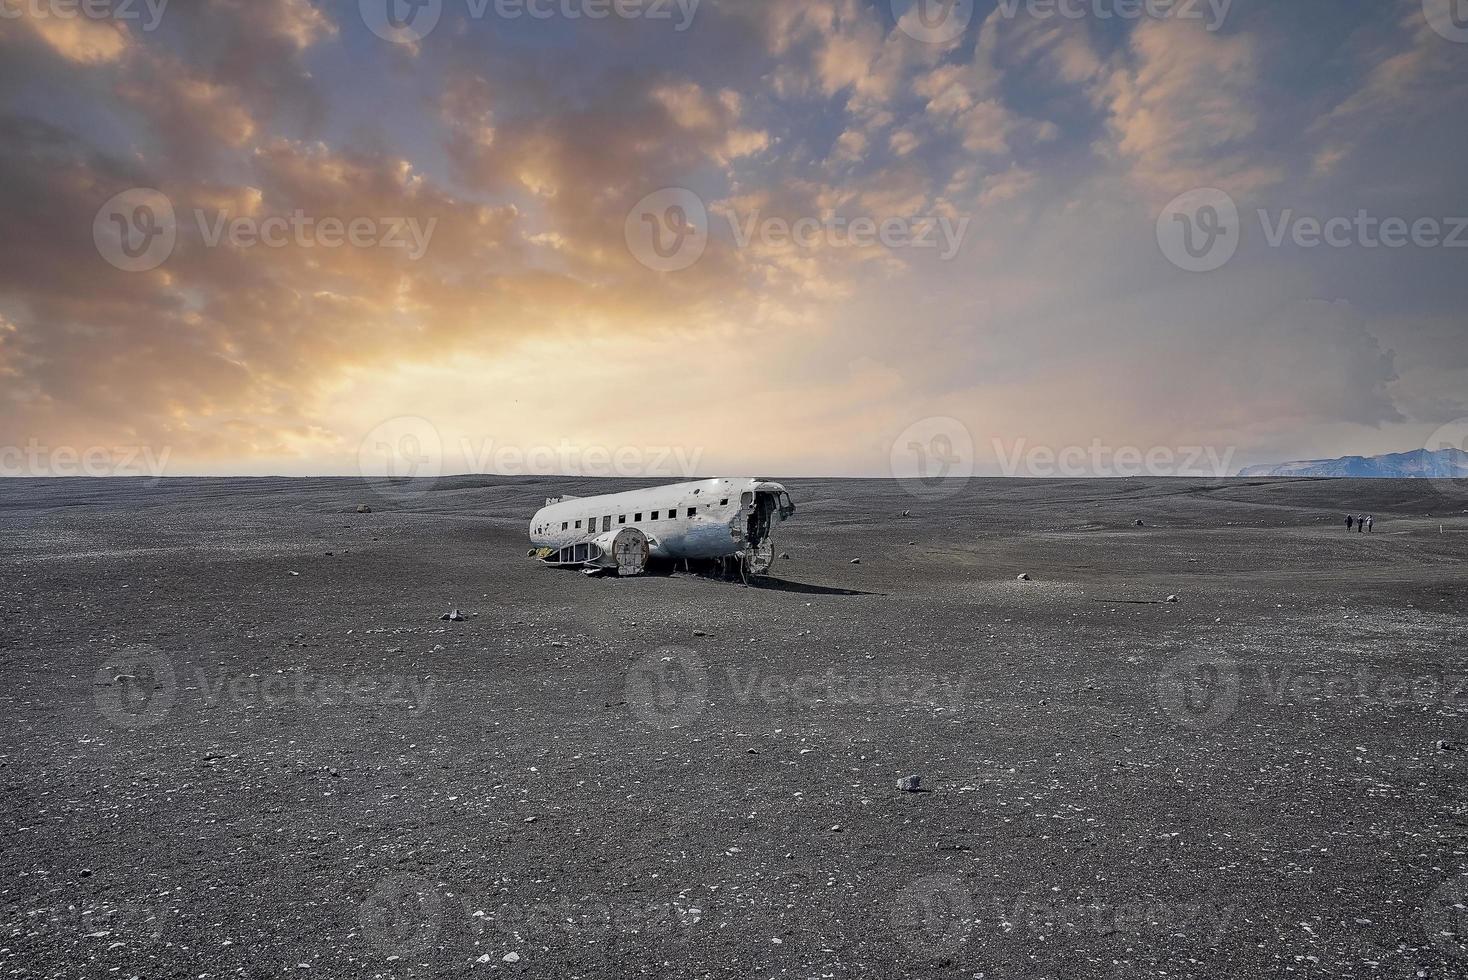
x=1023 y=576
x=910 y=784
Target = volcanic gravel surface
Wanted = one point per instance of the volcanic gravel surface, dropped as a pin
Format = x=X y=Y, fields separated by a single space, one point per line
x=239 y=740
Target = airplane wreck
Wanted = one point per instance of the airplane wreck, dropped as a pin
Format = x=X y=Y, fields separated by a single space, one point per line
x=708 y=520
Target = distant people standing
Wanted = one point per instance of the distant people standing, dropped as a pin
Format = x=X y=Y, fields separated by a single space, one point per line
x=1350 y=523
x=1370 y=523
x=1361 y=524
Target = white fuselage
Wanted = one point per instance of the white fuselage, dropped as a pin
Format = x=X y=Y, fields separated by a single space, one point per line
x=703 y=519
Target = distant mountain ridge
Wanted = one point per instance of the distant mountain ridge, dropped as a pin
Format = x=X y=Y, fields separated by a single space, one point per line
x=1421 y=464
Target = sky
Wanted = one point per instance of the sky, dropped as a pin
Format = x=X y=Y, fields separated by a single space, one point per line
x=737 y=237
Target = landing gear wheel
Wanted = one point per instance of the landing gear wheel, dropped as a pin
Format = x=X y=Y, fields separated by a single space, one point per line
x=760 y=558
x=630 y=550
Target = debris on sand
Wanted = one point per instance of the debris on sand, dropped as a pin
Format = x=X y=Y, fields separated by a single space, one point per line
x=1443 y=745
x=512 y=957
x=910 y=784
x=856 y=561
x=1023 y=576
x=699 y=633
x=785 y=555
x=363 y=509
x=1172 y=599
x=1141 y=523
x=453 y=617
x=907 y=513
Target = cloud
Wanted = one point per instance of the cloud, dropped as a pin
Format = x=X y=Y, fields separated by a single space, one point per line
x=1182 y=104
x=1058 y=320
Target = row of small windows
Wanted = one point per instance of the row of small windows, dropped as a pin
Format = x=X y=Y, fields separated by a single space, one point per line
x=606 y=522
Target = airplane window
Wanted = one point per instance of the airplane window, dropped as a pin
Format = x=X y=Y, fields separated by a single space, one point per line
x=693 y=512
x=724 y=502
x=655 y=515
x=578 y=525
x=639 y=518
x=563 y=526
x=621 y=518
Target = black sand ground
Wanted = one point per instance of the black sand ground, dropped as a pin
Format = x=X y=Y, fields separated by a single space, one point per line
x=216 y=768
